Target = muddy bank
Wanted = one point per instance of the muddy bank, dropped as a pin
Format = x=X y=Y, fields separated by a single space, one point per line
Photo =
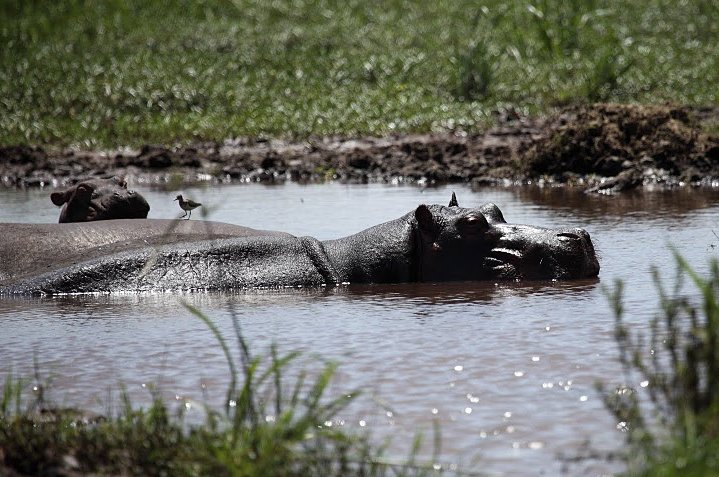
x=612 y=147
x=604 y=147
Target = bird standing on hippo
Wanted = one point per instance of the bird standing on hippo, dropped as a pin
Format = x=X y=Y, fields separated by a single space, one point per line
x=431 y=243
x=100 y=199
x=187 y=205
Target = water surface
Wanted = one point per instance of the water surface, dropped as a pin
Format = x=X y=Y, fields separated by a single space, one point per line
x=507 y=369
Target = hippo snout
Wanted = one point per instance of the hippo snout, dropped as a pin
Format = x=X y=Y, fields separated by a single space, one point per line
x=522 y=251
x=580 y=251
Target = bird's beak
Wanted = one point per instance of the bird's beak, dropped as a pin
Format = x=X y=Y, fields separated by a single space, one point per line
x=174 y=199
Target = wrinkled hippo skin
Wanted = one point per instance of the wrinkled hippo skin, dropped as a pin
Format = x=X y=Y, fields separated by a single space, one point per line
x=429 y=244
x=29 y=250
x=100 y=199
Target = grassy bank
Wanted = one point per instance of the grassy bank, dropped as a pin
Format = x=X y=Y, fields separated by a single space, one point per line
x=127 y=72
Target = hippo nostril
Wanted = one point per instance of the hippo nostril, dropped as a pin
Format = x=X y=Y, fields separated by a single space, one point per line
x=568 y=236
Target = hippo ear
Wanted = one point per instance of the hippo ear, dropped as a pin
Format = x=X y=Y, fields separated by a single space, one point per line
x=59 y=198
x=453 y=201
x=424 y=218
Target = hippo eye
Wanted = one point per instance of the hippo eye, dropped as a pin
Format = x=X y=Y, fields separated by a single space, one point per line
x=472 y=224
x=130 y=192
x=84 y=190
x=95 y=195
x=116 y=194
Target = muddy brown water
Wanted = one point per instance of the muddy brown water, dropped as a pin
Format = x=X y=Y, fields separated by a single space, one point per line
x=506 y=369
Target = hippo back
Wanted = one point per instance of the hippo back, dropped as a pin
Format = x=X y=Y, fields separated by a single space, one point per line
x=31 y=249
x=268 y=261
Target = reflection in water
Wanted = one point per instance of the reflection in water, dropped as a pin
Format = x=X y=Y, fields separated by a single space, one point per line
x=508 y=369
x=97 y=306
x=468 y=292
x=651 y=204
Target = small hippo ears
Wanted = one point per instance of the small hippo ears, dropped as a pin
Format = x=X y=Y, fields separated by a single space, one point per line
x=83 y=191
x=59 y=198
x=453 y=201
x=424 y=218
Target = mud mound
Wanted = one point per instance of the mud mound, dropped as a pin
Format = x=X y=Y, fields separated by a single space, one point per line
x=606 y=147
x=415 y=158
x=633 y=144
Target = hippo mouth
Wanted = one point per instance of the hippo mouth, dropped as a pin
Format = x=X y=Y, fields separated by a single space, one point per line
x=502 y=262
x=553 y=254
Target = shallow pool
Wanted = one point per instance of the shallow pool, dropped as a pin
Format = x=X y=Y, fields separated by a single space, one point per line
x=507 y=369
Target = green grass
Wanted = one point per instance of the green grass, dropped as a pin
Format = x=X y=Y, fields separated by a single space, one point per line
x=674 y=431
x=269 y=426
x=110 y=73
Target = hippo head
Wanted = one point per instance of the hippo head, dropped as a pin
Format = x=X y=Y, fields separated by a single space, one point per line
x=100 y=199
x=456 y=243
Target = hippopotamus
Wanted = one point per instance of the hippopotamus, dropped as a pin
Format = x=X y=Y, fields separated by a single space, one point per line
x=100 y=199
x=431 y=243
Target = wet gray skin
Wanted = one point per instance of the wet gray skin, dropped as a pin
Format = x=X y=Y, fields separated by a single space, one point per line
x=100 y=199
x=429 y=244
x=482 y=245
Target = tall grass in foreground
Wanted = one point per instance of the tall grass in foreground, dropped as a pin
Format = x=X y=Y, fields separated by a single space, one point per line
x=675 y=432
x=265 y=429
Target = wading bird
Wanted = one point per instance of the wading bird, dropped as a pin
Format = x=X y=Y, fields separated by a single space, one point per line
x=187 y=205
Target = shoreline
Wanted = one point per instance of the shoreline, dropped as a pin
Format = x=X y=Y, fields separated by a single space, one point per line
x=602 y=148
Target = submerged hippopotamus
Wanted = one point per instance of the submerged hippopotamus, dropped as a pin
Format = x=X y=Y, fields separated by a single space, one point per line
x=429 y=244
x=100 y=199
